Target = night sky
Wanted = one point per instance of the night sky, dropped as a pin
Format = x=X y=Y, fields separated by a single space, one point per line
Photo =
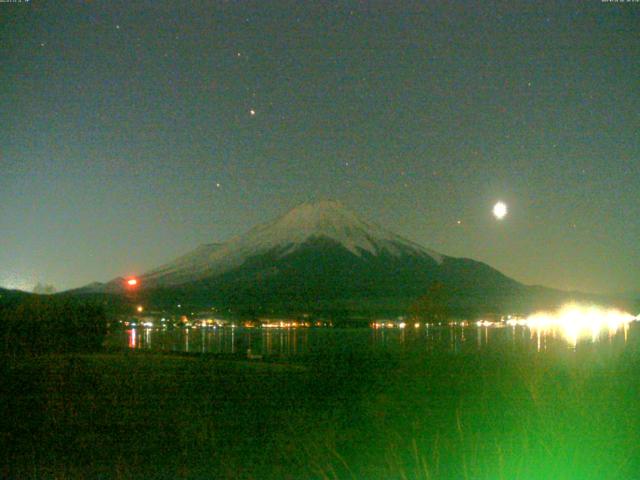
x=133 y=131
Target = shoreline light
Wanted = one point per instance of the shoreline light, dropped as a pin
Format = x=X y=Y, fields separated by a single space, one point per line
x=576 y=322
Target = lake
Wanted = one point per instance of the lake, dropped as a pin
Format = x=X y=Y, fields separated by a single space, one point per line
x=293 y=342
x=438 y=402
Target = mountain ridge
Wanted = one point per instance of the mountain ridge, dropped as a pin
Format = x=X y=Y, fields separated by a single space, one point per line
x=324 y=219
x=322 y=256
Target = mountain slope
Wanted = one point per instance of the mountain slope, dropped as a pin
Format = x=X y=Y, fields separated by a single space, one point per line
x=323 y=275
x=327 y=219
x=10 y=297
x=323 y=257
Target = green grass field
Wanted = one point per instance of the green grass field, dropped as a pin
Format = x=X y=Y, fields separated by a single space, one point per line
x=480 y=416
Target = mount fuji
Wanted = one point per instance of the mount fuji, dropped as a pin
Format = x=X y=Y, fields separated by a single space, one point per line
x=327 y=222
x=323 y=257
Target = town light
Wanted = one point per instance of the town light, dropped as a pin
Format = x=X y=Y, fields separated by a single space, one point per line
x=575 y=322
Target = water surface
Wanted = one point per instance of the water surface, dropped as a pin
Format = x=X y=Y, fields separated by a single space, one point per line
x=292 y=342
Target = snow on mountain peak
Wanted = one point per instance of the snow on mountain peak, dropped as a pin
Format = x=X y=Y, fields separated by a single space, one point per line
x=327 y=219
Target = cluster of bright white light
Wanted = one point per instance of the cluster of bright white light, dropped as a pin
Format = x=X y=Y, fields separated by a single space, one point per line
x=500 y=210
x=575 y=322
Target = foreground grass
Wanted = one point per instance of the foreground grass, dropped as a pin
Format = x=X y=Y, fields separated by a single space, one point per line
x=440 y=416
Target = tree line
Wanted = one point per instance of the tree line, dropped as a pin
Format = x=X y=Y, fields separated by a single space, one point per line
x=37 y=325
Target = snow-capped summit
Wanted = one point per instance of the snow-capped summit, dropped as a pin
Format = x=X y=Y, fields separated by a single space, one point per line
x=323 y=257
x=327 y=219
x=323 y=220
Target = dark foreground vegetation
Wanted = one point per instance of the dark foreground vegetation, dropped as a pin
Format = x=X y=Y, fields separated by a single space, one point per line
x=38 y=324
x=442 y=416
x=68 y=409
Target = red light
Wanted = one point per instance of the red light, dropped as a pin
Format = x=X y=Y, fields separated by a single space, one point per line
x=132 y=282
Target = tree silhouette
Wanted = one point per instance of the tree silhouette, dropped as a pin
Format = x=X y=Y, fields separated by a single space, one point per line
x=37 y=325
x=44 y=289
x=435 y=305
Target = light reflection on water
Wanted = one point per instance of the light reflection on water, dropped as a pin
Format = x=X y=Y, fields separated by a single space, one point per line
x=575 y=322
x=301 y=341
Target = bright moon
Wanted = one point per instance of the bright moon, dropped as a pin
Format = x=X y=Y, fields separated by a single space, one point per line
x=500 y=210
